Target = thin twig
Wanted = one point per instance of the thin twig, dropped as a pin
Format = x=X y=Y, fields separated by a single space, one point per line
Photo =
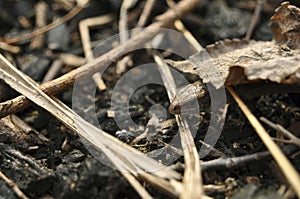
x=14 y=187
x=53 y=70
x=124 y=35
x=231 y=163
x=123 y=29
x=145 y=13
x=10 y=48
x=123 y=26
x=236 y=162
x=255 y=17
x=287 y=168
x=292 y=139
x=70 y=59
x=48 y=27
x=84 y=26
x=40 y=21
x=187 y=34
x=63 y=82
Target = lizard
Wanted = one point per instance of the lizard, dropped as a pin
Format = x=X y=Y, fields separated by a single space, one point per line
x=185 y=95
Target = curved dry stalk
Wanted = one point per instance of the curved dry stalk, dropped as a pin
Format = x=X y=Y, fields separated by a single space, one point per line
x=84 y=26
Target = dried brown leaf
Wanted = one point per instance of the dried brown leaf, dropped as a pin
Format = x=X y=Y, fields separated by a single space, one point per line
x=286 y=25
x=234 y=62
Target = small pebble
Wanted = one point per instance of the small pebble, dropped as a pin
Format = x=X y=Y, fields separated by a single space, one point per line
x=125 y=135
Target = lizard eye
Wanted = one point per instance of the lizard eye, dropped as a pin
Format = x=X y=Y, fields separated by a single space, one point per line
x=174 y=109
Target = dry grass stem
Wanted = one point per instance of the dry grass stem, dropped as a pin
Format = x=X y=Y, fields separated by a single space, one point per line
x=286 y=167
x=127 y=160
x=61 y=83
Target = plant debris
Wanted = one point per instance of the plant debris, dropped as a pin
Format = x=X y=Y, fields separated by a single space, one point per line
x=236 y=61
x=48 y=151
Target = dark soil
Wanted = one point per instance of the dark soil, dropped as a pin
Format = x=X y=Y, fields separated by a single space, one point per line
x=62 y=167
